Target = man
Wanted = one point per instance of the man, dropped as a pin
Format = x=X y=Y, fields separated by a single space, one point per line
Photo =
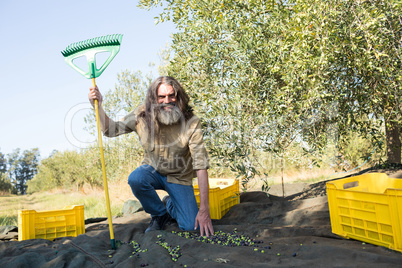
x=174 y=154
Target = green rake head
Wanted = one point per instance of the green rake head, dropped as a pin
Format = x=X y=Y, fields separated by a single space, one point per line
x=89 y=48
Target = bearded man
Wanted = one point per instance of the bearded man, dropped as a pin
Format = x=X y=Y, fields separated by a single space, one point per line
x=174 y=154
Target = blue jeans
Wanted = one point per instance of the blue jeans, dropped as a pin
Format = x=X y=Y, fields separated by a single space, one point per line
x=182 y=205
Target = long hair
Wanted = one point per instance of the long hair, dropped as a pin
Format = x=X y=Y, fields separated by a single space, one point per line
x=151 y=101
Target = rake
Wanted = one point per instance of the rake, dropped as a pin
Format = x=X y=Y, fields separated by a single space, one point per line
x=89 y=48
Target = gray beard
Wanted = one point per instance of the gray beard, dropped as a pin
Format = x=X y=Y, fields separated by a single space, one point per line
x=169 y=117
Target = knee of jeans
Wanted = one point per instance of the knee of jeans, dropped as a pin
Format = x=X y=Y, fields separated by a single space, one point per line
x=136 y=179
x=187 y=226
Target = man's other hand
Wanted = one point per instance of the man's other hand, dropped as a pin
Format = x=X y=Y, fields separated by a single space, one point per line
x=203 y=219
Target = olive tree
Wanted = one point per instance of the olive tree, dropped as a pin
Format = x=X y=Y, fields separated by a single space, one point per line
x=250 y=73
x=265 y=74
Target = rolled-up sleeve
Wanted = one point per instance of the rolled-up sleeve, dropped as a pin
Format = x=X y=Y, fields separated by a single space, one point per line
x=196 y=145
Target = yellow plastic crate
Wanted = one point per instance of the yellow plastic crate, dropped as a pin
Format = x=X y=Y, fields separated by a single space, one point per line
x=367 y=208
x=51 y=224
x=223 y=194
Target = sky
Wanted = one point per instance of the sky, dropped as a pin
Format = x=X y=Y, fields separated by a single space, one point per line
x=43 y=101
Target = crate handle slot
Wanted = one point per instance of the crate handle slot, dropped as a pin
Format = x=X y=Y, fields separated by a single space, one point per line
x=351 y=184
x=236 y=195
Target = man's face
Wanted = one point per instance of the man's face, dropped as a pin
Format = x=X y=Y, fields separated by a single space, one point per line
x=166 y=95
x=168 y=113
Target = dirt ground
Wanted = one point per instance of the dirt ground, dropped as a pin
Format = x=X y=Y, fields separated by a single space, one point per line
x=261 y=231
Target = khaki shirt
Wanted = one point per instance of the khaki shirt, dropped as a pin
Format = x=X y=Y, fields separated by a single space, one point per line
x=176 y=152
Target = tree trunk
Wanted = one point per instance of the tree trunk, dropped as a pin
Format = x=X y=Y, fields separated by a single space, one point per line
x=283 y=185
x=393 y=142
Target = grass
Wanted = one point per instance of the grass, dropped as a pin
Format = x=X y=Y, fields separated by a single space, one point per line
x=8 y=219
x=313 y=179
x=295 y=176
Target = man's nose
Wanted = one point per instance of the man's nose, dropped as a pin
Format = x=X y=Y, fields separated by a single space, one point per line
x=167 y=99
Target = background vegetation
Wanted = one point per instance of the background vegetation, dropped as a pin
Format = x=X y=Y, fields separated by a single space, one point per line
x=268 y=74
